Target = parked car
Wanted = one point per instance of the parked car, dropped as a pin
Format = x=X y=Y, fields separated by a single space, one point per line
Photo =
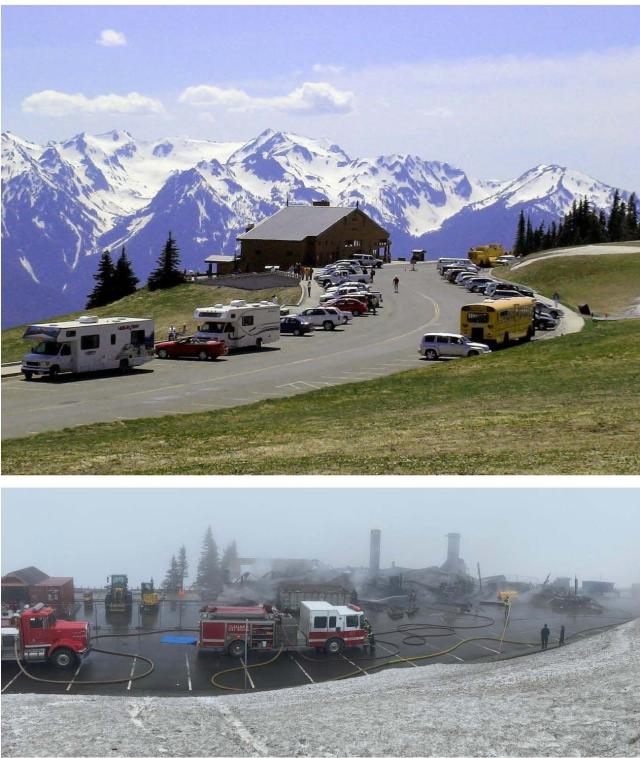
x=463 y=276
x=524 y=291
x=547 y=310
x=543 y=322
x=344 y=316
x=503 y=260
x=436 y=345
x=501 y=292
x=321 y=317
x=191 y=347
x=477 y=283
x=295 y=325
x=351 y=304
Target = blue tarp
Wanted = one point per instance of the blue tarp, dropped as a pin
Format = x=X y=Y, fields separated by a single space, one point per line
x=171 y=639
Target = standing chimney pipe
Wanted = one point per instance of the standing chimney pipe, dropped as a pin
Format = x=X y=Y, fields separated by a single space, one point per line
x=374 y=553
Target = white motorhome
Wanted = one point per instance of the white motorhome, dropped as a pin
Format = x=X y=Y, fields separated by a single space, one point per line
x=88 y=344
x=240 y=324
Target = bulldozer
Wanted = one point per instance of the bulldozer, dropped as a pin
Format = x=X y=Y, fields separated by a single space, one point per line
x=149 y=598
x=119 y=598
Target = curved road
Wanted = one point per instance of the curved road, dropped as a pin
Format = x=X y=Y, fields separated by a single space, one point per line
x=369 y=347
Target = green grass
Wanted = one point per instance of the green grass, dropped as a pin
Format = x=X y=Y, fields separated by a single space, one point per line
x=174 y=306
x=608 y=283
x=564 y=406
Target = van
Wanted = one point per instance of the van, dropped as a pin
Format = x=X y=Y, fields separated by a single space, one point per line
x=88 y=344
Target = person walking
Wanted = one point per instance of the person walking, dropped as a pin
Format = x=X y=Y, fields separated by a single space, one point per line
x=544 y=637
x=308 y=289
x=556 y=299
x=396 y=282
x=561 y=640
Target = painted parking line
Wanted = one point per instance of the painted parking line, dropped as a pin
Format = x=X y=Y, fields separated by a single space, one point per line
x=450 y=655
x=6 y=686
x=133 y=665
x=397 y=655
x=298 y=664
x=186 y=659
x=248 y=675
x=74 y=676
x=355 y=665
x=484 y=647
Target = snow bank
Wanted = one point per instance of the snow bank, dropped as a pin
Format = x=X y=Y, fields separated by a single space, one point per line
x=583 y=699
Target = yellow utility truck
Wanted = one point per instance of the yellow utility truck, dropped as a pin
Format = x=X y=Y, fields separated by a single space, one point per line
x=486 y=255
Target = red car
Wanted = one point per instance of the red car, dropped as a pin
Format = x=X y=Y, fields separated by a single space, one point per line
x=351 y=304
x=191 y=347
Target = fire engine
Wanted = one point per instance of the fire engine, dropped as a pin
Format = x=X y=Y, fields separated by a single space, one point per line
x=38 y=635
x=323 y=626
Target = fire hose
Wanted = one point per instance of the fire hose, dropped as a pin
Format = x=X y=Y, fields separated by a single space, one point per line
x=132 y=677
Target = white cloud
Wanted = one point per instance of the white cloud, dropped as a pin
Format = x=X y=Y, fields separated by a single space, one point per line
x=111 y=38
x=309 y=98
x=326 y=68
x=53 y=103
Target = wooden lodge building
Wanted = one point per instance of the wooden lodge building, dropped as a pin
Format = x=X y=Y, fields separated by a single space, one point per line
x=313 y=235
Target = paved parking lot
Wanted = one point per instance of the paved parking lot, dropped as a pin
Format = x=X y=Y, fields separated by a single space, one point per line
x=180 y=670
x=369 y=347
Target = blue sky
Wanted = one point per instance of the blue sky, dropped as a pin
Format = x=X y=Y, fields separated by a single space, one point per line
x=89 y=534
x=494 y=90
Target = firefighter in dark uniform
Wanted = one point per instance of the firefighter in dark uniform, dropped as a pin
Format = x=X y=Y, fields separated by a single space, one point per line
x=370 y=640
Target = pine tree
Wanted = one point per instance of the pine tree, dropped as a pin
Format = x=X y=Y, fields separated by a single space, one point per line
x=632 y=231
x=615 y=224
x=168 y=273
x=183 y=566
x=208 y=578
x=102 y=293
x=171 y=580
x=229 y=560
x=124 y=280
x=519 y=247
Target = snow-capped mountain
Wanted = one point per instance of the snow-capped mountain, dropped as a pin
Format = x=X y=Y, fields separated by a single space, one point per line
x=64 y=202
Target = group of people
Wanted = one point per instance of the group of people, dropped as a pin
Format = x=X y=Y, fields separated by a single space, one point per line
x=544 y=636
x=173 y=333
x=304 y=272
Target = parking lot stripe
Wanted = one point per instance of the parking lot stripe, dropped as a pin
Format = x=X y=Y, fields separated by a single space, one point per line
x=186 y=658
x=6 y=686
x=397 y=655
x=355 y=665
x=451 y=655
x=477 y=644
x=248 y=675
x=295 y=660
x=74 y=676
x=133 y=665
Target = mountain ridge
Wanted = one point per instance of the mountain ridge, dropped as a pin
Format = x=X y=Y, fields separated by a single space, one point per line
x=64 y=202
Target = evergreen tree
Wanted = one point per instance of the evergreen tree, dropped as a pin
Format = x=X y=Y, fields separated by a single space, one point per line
x=124 y=280
x=519 y=247
x=528 y=238
x=168 y=273
x=616 y=220
x=208 y=578
x=183 y=566
x=172 y=580
x=631 y=229
x=102 y=293
x=229 y=559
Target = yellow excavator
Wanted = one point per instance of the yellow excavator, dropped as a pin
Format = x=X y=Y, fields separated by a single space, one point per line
x=149 y=598
x=485 y=255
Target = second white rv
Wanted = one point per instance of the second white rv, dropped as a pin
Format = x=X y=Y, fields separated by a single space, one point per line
x=88 y=344
x=240 y=324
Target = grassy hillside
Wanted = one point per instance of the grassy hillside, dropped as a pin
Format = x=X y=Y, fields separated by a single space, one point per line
x=608 y=283
x=174 y=306
x=565 y=406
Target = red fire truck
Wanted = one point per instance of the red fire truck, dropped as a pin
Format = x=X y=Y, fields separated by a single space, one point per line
x=40 y=636
x=231 y=629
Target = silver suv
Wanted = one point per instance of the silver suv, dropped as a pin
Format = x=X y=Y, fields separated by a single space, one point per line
x=445 y=345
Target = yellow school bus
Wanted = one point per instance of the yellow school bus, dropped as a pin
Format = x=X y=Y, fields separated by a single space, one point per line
x=498 y=322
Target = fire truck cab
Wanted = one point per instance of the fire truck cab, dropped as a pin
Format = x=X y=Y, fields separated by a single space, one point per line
x=331 y=627
x=39 y=636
